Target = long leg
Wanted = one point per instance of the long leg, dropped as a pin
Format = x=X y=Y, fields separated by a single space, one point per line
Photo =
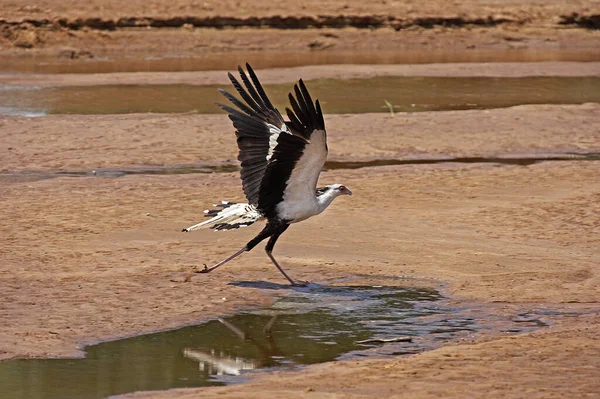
x=221 y=263
x=266 y=232
x=269 y=250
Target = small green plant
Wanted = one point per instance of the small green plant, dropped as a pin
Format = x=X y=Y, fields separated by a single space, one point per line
x=390 y=107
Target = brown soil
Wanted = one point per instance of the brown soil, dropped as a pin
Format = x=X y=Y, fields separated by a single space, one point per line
x=110 y=9
x=92 y=258
x=131 y=141
x=69 y=29
x=286 y=75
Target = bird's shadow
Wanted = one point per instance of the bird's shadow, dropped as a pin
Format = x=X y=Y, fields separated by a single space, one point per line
x=267 y=285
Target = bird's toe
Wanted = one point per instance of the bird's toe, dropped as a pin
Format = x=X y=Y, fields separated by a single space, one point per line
x=205 y=270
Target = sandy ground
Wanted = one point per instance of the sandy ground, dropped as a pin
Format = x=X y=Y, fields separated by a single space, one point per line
x=72 y=143
x=288 y=75
x=69 y=29
x=141 y=42
x=17 y=9
x=91 y=258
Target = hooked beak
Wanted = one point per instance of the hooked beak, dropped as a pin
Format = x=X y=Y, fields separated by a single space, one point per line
x=348 y=192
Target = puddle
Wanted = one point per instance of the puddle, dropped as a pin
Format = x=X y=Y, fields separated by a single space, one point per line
x=406 y=94
x=519 y=161
x=21 y=176
x=308 y=325
x=282 y=59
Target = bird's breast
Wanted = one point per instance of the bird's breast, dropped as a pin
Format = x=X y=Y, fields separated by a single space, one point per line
x=296 y=211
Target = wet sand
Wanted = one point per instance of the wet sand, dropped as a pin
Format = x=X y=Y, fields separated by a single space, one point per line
x=92 y=258
x=86 y=143
x=287 y=75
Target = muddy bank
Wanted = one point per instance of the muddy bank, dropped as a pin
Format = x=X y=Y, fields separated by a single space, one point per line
x=298 y=15
x=105 y=249
x=535 y=10
x=284 y=75
x=559 y=362
x=141 y=43
x=89 y=258
x=93 y=258
x=69 y=31
x=85 y=143
x=74 y=63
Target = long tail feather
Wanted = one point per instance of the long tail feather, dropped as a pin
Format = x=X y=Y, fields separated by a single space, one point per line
x=228 y=216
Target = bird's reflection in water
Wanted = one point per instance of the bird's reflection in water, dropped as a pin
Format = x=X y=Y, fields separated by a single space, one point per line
x=222 y=363
x=313 y=325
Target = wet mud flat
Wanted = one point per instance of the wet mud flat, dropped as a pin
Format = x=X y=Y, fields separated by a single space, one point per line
x=117 y=144
x=523 y=160
x=316 y=324
x=89 y=258
x=223 y=60
x=500 y=205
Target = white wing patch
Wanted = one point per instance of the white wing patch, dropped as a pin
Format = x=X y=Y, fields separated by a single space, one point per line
x=274 y=135
x=299 y=200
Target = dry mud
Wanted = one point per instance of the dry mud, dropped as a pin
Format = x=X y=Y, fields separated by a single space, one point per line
x=68 y=29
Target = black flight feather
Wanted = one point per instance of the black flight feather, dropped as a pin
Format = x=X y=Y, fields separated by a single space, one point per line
x=250 y=89
x=305 y=116
x=266 y=170
x=259 y=87
x=288 y=151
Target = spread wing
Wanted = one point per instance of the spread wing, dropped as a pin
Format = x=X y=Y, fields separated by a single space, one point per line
x=298 y=158
x=279 y=159
x=258 y=124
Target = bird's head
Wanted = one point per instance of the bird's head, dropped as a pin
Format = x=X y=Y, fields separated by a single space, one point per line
x=339 y=189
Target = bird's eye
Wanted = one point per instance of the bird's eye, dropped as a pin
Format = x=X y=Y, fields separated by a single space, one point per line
x=342 y=188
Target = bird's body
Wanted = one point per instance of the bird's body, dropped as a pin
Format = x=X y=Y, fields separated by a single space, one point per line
x=281 y=162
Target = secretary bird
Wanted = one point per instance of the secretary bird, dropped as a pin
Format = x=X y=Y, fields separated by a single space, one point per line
x=281 y=162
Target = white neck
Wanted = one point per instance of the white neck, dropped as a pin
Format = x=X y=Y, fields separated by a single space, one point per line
x=325 y=199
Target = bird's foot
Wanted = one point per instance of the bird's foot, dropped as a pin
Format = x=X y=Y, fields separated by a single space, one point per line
x=185 y=230
x=205 y=270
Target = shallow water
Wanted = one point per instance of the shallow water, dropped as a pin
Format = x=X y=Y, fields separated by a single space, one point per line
x=14 y=176
x=405 y=94
x=309 y=325
x=281 y=59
